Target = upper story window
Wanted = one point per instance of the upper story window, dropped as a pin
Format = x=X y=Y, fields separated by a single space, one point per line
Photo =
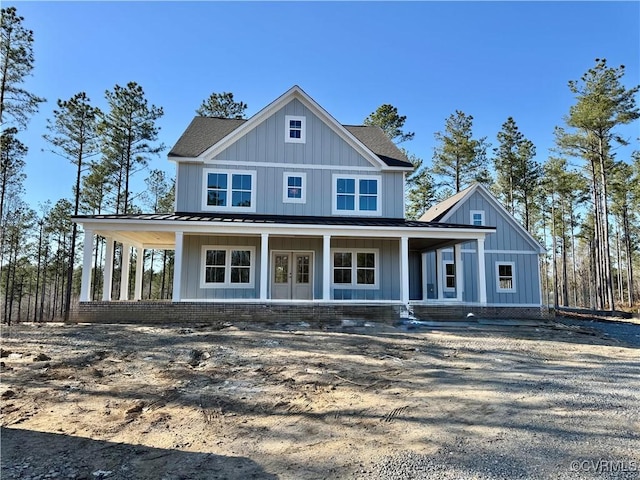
x=477 y=217
x=229 y=190
x=295 y=129
x=294 y=187
x=505 y=277
x=356 y=195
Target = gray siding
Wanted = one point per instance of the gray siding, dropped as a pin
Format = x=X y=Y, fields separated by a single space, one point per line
x=507 y=236
x=265 y=144
x=388 y=269
x=192 y=268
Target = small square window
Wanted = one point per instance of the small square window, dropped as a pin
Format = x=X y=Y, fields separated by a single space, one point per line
x=295 y=129
x=477 y=217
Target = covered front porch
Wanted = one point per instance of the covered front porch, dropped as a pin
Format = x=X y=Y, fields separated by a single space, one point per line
x=253 y=259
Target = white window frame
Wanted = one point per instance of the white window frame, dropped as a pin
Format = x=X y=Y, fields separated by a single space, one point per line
x=446 y=288
x=354 y=285
x=229 y=173
x=287 y=129
x=227 y=268
x=476 y=212
x=356 y=210
x=285 y=187
x=499 y=289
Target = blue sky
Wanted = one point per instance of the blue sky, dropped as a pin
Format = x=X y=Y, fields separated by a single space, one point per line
x=491 y=60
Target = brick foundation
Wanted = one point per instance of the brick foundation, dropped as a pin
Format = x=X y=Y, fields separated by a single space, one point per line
x=314 y=314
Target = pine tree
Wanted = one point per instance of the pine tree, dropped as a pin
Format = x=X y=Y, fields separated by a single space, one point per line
x=391 y=122
x=16 y=64
x=603 y=103
x=222 y=105
x=129 y=134
x=74 y=136
x=459 y=159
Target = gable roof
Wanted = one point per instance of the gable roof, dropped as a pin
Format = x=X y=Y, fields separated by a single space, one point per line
x=211 y=135
x=445 y=209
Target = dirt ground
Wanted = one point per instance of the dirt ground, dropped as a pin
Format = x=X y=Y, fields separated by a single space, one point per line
x=237 y=401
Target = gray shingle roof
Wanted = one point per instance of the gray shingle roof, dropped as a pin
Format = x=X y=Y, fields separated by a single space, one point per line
x=203 y=132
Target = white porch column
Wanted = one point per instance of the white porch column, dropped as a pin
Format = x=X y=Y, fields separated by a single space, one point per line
x=404 y=270
x=439 y=276
x=425 y=289
x=125 y=271
x=264 y=265
x=177 y=268
x=87 y=255
x=137 y=291
x=107 y=284
x=482 y=273
x=457 y=249
x=326 y=267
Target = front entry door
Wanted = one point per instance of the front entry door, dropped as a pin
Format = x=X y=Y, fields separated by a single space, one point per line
x=291 y=276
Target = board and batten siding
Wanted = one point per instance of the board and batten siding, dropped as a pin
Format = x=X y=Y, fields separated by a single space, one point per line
x=265 y=143
x=323 y=154
x=388 y=268
x=192 y=267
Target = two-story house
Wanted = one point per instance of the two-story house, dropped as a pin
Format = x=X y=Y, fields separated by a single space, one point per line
x=291 y=208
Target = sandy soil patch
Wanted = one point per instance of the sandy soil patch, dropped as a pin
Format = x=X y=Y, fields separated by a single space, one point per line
x=291 y=402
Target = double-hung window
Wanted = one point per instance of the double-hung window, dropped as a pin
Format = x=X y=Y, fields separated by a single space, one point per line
x=229 y=190
x=294 y=187
x=356 y=195
x=231 y=267
x=449 y=275
x=505 y=277
x=295 y=129
x=355 y=268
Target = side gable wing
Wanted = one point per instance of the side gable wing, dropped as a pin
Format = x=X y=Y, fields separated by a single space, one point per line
x=510 y=235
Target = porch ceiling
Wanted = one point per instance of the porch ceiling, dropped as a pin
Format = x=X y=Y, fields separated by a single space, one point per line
x=146 y=239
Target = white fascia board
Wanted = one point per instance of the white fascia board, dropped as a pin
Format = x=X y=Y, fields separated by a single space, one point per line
x=242 y=228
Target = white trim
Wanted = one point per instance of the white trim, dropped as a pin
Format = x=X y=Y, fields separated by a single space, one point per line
x=498 y=263
x=287 y=129
x=404 y=270
x=474 y=212
x=326 y=267
x=354 y=285
x=355 y=168
x=229 y=190
x=137 y=291
x=285 y=187
x=446 y=288
x=264 y=266
x=295 y=92
x=482 y=272
x=356 y=211
x=87 y=258
x=177 y=267
x=124 y=271
x=107 y=283
x=227 y=266
x=505 y=252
